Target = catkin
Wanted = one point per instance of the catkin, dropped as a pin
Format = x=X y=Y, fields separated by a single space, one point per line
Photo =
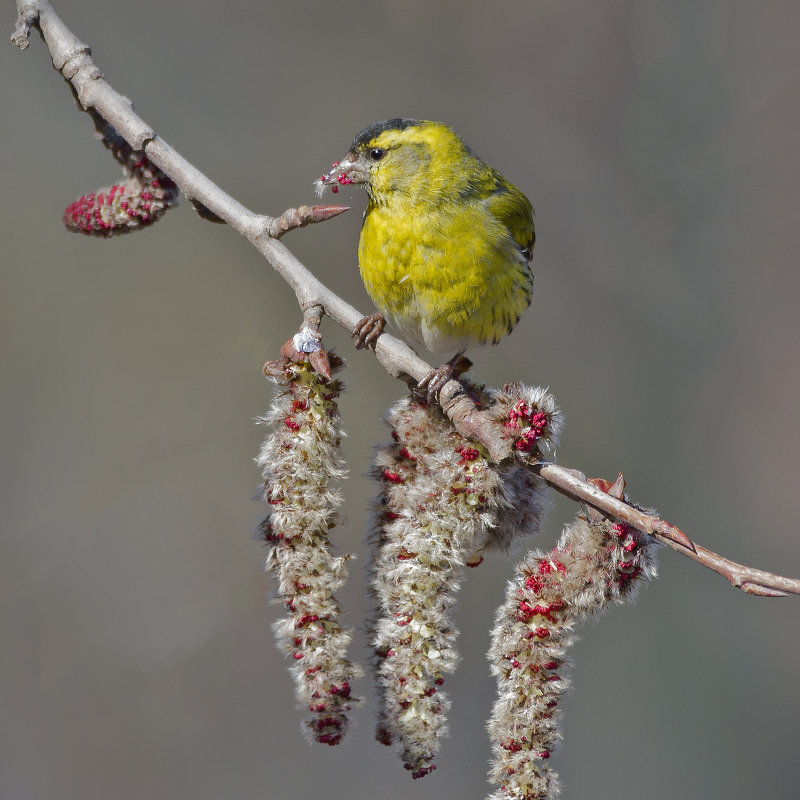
x=300 y=461
x=141 y=198
x=442 y=504
x=595 y=563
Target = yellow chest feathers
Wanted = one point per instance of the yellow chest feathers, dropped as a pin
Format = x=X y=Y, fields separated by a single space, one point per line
x=447 y=278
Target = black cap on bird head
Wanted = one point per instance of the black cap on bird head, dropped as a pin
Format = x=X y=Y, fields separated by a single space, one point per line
x=377 y=128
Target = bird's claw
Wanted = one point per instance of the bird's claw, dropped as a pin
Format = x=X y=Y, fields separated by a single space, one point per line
x=433 y=383
x=368 y=330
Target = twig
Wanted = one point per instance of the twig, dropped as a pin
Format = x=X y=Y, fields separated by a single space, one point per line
x=73 y=59
x=300 y=217
x=753 y=581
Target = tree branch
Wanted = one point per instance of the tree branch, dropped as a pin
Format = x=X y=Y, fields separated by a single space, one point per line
x=73 y=59
x=753 y=581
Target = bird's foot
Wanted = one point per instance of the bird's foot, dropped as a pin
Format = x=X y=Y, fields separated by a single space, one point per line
x=368 y=330
x=434 y=381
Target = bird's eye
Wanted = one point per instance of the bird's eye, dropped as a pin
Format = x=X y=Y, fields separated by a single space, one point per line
x=377 y=153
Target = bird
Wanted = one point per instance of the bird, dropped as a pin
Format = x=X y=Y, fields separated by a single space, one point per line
x=446 y=241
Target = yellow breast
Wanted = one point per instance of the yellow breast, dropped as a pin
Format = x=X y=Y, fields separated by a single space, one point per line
x=446 y=277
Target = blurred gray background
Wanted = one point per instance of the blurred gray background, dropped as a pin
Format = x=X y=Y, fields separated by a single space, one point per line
x=659 y=143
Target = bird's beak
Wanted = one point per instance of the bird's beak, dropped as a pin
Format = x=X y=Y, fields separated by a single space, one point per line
x=349 y=170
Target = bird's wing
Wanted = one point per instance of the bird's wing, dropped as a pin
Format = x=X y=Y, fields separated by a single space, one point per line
x=509 y=205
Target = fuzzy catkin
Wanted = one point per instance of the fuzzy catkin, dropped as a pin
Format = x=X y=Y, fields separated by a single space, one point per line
x=299 y=460
x=442 y=503
x=138 y=200
x=530 y=417
x=595 y=563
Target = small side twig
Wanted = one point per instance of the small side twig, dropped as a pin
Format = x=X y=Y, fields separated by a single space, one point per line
x=27 y=16
x=300 y=217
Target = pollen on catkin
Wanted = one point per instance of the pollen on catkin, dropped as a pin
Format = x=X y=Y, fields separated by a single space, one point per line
x=530 y=417
x=440 y=503
x=300 y=462
x=596 y=562
x=138 y=200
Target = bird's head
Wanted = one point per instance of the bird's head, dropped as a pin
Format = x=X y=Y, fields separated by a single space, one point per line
x=397 y=157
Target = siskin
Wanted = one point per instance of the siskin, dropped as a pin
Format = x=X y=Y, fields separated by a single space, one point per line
x=445 y=243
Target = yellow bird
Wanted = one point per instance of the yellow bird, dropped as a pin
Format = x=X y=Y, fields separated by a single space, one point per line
x=445 y=243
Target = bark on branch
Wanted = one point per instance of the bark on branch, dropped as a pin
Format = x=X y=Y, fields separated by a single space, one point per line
x=73 y=59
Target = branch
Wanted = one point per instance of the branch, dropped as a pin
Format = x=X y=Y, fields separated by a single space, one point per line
x=573 y=484
x=73 y=59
